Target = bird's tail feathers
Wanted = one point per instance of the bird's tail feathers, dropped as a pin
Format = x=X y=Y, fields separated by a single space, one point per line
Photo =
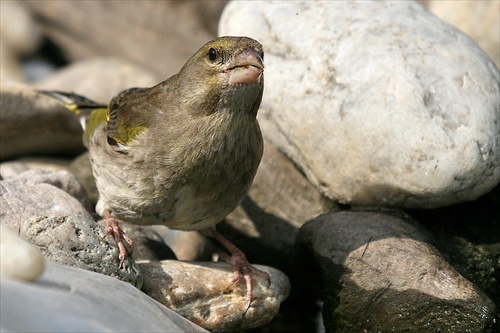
x=81 y=106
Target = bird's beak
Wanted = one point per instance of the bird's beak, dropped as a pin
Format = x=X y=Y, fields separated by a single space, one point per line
x=246 y=67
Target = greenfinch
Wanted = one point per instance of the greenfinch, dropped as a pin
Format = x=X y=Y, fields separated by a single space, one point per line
x=182 y=153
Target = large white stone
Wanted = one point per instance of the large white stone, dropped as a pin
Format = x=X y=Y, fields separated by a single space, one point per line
x=19 y=259
x=379 y=103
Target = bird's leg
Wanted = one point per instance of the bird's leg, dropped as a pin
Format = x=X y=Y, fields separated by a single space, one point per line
x=241 y=266
x=112 y=228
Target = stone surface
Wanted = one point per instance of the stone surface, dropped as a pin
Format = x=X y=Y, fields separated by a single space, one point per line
x=468 y=236
x=40 y=193
x=31 y=123
x=12 y=169
x=99 y=79
x=160 y=35
x=379 y=266
x=19 y=259
x=479 y=19
x=76 y=240
x=379 y=103
x=68 y=299
x=45 y=208
x=198 y=292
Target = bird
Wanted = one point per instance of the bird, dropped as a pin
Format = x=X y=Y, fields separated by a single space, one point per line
x=182 y=153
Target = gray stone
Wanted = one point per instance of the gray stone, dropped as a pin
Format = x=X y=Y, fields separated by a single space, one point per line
x=19 y=30
x=41 y=193
x=47 y=209
x=199 y=292
x=12 y=169
x=31 y=123
x=378 y=266
x=77 y=241
x=67 y=299
x=379 y=102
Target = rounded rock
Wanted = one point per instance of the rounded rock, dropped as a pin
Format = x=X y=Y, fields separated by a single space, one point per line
x=19 y=259
x=379 y=103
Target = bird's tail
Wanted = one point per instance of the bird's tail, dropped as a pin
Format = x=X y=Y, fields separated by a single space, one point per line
x=90 y=113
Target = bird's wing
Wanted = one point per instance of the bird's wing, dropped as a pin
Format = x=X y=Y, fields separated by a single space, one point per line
x=127 y=116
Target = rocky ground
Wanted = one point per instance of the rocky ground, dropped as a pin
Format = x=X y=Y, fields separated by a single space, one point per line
x=375 y=207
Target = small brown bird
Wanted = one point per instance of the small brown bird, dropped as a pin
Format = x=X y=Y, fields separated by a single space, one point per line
x=182 y=153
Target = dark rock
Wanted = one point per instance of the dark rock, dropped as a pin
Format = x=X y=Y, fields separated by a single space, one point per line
x=380 y=273
x=469 y=236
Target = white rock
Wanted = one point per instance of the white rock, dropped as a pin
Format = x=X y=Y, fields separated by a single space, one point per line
x=379 y=103
x=18 y=259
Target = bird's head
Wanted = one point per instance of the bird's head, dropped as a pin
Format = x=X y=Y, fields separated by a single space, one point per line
x=226 y=69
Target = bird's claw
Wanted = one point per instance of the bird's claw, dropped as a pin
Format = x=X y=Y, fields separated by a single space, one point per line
x=243 y=268
x=112 y=228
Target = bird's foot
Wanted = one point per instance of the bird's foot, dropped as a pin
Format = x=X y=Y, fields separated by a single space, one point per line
x=112 y=228
x=241 y=268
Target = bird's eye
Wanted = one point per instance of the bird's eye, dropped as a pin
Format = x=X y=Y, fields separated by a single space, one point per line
x=212 y=54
